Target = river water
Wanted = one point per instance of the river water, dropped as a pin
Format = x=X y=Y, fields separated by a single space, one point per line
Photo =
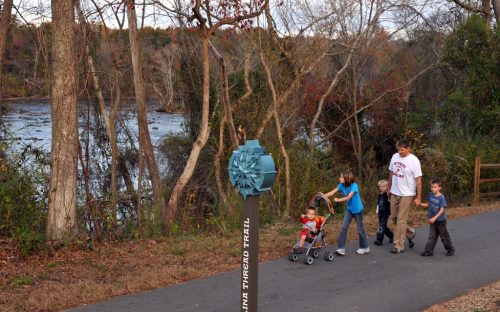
x=30 y=124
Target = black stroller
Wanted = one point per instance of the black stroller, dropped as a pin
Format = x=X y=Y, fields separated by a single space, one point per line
x=314 y=245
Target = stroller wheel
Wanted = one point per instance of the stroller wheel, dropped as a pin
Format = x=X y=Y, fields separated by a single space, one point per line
x=329 y=256
x=293 y=257
x=315 y=253
x=308 y=260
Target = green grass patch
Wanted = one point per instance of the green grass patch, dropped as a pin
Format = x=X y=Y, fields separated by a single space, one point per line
x=25 y=280
x=178 y=250
x=52 y=265
x=42 y=276
x=287 y=231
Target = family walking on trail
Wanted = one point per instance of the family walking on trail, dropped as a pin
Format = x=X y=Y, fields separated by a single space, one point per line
x=397 y=194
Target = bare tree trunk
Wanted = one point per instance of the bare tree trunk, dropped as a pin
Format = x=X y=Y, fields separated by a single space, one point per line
x=288 y=184
x=92 y=214
x=228 y=109
x=200 y=141
x=108 y=122
x=275 y=109
x=333 y=84
x=4 y=31
x=487 y=11
x=496 y=9
x=248 y=87
x=217 y=166
x=141 y=215
x=140 y=96
x=129 y=183
x=116 y=160
x=61 y=217
x=356 y=120
x=283 y=97
x=205 y=30
x=484 y=9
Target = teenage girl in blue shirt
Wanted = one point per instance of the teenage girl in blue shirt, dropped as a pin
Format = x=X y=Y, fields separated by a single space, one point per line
x=350 y=190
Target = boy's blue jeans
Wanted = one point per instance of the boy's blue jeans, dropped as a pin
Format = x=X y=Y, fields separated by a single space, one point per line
x=348 y=216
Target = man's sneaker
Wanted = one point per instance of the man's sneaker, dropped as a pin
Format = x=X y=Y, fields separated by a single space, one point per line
x=450 y=252
x=362 y=251
x=340 y=251
x=378 y=243
x=394 y=250
x=427 y=254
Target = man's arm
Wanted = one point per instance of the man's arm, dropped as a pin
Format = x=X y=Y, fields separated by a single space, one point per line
x=389 y=179
x=418 y=198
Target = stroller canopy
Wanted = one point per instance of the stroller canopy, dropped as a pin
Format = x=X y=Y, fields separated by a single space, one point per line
x=318 y=199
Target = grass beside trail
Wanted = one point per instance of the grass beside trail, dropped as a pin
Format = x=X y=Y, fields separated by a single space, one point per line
x=74 y=276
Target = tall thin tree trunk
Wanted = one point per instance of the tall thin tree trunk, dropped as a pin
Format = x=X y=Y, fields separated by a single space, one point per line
x=487 y=10
x=108 y=122
x=125 y=173
x=288 y=184
x=4 y=31
x=117 y=162
x=356 y=120
x=228 y=109
x=275 y=108
x=217 y=166
x=140 y=97
x=200 y=141
x=496 y=9
x=61 y=217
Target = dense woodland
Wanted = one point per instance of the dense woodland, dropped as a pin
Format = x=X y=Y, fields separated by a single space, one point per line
x=324 y=85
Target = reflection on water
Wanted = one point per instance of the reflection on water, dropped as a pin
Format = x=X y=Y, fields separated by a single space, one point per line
x=29 y=129
x=30 y=123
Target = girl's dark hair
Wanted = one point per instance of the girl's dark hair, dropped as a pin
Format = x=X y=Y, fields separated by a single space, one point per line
x=348 y=177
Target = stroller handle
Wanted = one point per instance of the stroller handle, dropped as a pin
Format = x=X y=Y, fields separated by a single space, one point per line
x=327 y=201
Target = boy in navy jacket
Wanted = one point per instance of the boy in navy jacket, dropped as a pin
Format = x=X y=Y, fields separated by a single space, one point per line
x=383 y=211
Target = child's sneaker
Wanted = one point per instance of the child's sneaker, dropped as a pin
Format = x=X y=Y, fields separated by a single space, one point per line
x=427 y=254
x=378 y=243
x=450 y=252
x=362 y=251
x=340 y=251
x=299 y=250
x=411 y=241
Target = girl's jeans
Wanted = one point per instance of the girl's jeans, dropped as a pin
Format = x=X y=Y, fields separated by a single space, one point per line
x=363 y=241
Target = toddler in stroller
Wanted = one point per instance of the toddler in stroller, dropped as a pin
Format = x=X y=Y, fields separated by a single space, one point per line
x=312 y=237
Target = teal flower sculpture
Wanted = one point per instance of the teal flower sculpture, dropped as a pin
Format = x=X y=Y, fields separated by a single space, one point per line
x=251 y=169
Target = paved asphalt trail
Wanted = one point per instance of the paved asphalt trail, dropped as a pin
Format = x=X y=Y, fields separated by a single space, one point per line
x=379 y=281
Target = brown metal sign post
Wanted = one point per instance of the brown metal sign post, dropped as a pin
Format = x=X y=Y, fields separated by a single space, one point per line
x=253 y=171
x=250 y=254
